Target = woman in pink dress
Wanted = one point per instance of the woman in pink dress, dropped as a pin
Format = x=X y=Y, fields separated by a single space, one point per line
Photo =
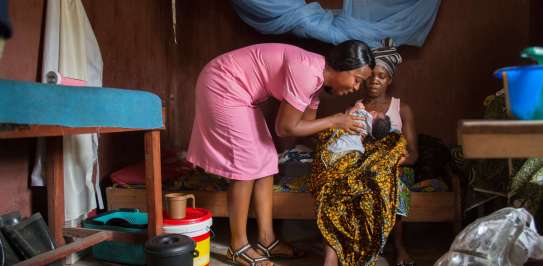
x=230 y=137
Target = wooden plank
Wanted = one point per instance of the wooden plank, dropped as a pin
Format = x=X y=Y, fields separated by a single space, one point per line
x=153 y=182
x=79 y=232
x=457 y=223
x=118 y=198
x=431 y=207
x=32 y=131
x=501 y=126
x=502 y=146
x=426 y=206
x=215 y=202
x=59 y=253
x=50 y=131
x=55 y=188
x=293 y=205
x=501 y=139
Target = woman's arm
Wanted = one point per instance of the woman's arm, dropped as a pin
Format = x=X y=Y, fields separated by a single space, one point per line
x=410 y=134
x=309 y=114
x=290 y=122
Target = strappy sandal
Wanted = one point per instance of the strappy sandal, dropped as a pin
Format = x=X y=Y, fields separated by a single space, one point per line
x=267 y=251
x=240 y=253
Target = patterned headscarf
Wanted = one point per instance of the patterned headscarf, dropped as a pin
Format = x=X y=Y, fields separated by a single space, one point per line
x=387 y=56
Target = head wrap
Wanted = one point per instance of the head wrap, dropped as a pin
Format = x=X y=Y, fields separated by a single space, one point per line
x=387 y=56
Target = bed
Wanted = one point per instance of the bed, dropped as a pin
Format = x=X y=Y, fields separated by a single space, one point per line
x=29 y=110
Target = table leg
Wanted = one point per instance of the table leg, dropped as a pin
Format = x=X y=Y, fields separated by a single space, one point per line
x=153 y=182
x=55 y=188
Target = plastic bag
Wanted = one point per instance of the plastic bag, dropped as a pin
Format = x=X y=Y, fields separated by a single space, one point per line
x=505 y=237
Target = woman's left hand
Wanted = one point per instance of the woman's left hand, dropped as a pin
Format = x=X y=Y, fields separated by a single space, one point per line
x=404 y=158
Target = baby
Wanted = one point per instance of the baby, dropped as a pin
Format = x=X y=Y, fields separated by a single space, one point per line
x=377 y=125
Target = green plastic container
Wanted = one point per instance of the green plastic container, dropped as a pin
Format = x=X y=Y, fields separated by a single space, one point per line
x=535 y=53
x=125 y=220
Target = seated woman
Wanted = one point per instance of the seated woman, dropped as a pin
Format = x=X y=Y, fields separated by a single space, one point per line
x=376 y=99
x=358 y=196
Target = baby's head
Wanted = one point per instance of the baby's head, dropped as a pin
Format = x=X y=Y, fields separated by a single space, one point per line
x=381 y=125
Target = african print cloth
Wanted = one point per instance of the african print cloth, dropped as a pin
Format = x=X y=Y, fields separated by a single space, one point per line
x=356 y=196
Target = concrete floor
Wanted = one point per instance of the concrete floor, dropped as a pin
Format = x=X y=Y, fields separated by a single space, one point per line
x=426 y=242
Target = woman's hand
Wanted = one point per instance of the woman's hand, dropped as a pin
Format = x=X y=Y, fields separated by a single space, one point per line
x=350 y=123
x=358 y=105
x=290 y=122
x=403 y=159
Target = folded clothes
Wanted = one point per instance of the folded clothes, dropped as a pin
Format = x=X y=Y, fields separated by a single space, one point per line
x=299 y=153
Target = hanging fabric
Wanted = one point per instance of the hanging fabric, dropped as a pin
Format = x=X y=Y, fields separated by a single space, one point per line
x=5 y=24
x=72 y=53
x=407 y=22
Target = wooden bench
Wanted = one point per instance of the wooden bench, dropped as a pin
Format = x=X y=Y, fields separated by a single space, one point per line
x=425 y=206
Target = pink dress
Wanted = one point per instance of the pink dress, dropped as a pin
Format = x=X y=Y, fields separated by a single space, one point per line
x=230 y=137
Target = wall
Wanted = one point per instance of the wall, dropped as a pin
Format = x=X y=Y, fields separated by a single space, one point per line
x=450 y=76
x=21 y=54
x=20 y=61
x=444 y=81
x=135 y=42
x=536 y=22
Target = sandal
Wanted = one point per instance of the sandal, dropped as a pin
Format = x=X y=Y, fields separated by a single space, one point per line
x=240 y=253
x=296 y=253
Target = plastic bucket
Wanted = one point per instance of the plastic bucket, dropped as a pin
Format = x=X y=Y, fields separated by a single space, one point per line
x=197 y=225
x=524 y=90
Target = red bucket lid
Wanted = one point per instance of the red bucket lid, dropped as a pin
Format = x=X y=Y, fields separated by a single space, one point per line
x=193 y=215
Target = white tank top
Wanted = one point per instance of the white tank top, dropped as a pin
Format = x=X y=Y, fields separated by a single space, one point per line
x=394 y=113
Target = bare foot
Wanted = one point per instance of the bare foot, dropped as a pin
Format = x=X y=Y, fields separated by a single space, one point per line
x=402 y=257
x=282 y=250
x=330 y=256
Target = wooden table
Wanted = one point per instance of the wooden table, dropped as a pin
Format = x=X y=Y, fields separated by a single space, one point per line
x=55 y=187
x=492 y=139
x=501 y=138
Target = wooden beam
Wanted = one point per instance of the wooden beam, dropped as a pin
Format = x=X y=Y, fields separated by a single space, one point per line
x=283 y=205
x=501 y=138
x=32 y=131
x=153 y=182
x=431 y=207
x=55 y=188
x=456 y=188
x=426 y=206
x=50 y=131
x=78 y=232
x=59 y=253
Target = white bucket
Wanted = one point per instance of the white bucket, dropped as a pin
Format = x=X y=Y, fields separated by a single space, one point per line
x=199 y=232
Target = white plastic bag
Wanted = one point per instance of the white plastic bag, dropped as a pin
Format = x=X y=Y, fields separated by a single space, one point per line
x=506 y=237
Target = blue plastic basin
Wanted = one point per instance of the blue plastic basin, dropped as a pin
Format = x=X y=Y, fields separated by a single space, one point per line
x=524 y=91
